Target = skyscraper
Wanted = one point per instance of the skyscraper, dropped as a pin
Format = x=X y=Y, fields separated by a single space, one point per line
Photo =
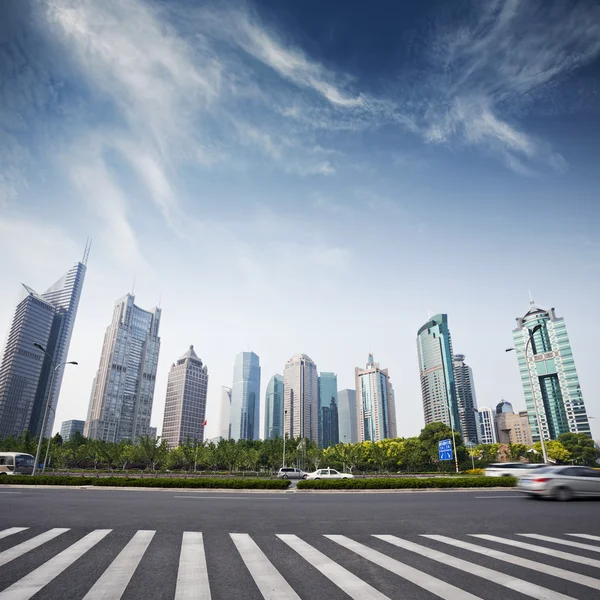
x=327 y=394
x=25 y=371
x=245 y=398
x=375 y=417
x=123 y=389
x=347 y=414
x=274 y=408
x=487 y=431
x=393 y=429
x=69 y=428
x=224 y=413
x=434 y=347
x=329 y=425
x=301 y=398
x=466 y=398
x=185 y=405
x=512 y=428
x=548 y=375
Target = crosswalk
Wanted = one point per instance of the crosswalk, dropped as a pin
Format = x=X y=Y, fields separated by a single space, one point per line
x=107 y=564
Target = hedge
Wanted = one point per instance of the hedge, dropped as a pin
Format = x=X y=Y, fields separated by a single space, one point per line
x=396 y=483
x=247 y=483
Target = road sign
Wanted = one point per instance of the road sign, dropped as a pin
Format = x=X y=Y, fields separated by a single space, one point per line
x=445 y=449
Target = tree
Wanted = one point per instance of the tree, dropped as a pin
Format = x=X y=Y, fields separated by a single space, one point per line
x=488 y=453
x=228 y=453
x=581 y=447
x=152 y=451
x=516 y=451
x=434 y=433
x=555 y=451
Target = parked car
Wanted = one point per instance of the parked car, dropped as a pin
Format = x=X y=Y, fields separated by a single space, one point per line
x=329 y=474
x=561 y=483
x=513 y=469
x=291 y=473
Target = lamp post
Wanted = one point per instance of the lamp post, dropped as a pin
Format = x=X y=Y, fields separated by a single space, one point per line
x=284 y=418
x=46 y=409
x=453 y=437
x=535 y=405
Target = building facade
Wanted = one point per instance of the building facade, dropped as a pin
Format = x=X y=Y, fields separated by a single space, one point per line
x=69 y=428
x=347 y=415
x=245 y=398
x=301 y=398
x=548 y=375
x=487 y=430
x=123 y=389
x=274 y=408
x=375 y=417
x=224 y=413
x=26 y=373
x=185 y=404
x=467 y=400
x=434 y=347
x=328 y=394
x=512 y=428
x=329 y=425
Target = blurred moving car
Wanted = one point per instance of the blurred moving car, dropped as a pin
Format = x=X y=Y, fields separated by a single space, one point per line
x=513 y=469
x=561 y=483
x=16 y=463
x=329 y=474
x=291 y=473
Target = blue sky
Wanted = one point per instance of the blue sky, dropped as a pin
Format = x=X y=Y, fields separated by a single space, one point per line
x=310 y=177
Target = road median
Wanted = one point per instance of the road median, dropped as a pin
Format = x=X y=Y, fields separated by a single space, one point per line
x=405 y=483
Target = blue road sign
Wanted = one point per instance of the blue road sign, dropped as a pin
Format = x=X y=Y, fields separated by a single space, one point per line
x=445 y=449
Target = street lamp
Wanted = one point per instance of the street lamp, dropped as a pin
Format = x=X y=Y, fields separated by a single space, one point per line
x=43 y=429
x=535 y=405
x=284 y=419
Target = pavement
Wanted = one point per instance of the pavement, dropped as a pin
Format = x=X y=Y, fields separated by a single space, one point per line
x=92 y=544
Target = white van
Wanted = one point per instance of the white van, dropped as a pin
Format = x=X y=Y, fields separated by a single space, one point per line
x=16 y=463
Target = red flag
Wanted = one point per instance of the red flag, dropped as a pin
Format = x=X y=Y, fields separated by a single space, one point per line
x=205 y=422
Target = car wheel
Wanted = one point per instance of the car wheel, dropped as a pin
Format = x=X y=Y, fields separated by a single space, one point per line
x=317 y=479
x=563 y=494
x=284 y=477
x=304 y=476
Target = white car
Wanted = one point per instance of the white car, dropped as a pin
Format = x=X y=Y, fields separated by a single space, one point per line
x=513 y=469
x=329 y=474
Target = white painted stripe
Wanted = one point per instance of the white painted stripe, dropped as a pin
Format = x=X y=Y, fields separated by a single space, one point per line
x=112 y=583
x=192 y=577
x=11 y=530
x=32 y=583
x=270 y=582
x=582 y=560
x=520 y=562
x=586 y=536
x=424 y=580
x=253 y=497
x=28 y=545
x=495 y=497
x=11 y=492
x=508 y=581
x=553 y=540
x=353 y=586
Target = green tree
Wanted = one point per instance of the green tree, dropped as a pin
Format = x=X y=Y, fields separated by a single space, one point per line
x=517 y=451
x=581 y=447
x=555 y=451
x=152 y=451
x=228 y=452
x=434 y=433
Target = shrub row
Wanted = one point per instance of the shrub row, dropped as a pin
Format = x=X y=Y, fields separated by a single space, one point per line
x=246 y=483
x=396 y=483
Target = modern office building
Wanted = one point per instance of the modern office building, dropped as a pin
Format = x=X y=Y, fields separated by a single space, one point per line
x=347 y=414
x=487 y=431
x=26 y=372
x=245 y=398
x=548 y=375
x=224 y=413
x=328 y=393
x=274 y=408
x=301 y=398
x=329 y=425
x=512 y=428
x=69 y=428
x=467 y=400
x=434 y=347
x=185 y=404
x=152 y=432
x=375 y=418
x=123 y=389
x=393 y=431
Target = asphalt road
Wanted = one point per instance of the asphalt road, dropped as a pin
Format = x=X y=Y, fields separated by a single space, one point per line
x=275 y=545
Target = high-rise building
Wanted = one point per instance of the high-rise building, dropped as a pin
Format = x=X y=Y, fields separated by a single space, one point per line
x=328 y=393
x=487 y=431
x=69 y=428
x=123 y=389
x=548 y=375
x=329 y=425
x=347 y=414
x=301 y=398
x=274 y=408
x=466 y=398
x=26 y=372
x=224 y=413
x=185 y=404
x=434 y=346
x=152 y=432
x=512 y=428
x=245 y=398
x=393 y=429
x=375 y=418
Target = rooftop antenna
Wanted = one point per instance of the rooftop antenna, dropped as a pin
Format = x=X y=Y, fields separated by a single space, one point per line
x=429 y=314
x=159 y=299
x=531 y=302
x=133 y=286
x=86 y=252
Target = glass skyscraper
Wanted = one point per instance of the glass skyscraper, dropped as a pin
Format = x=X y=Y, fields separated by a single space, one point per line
x=123 y=389
x=548 y=375
x=487 y=430
x=25 y=371
x=434 y=347
x=347 y=414
x=301 y=398
x=328 y=395
x=467 y=400
x=274 y=408
x=224 y=412
x=245 y=398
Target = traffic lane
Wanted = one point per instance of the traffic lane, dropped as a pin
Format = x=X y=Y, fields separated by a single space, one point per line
x=295 y=512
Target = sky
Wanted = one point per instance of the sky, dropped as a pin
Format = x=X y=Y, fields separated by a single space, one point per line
x=306 y=177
